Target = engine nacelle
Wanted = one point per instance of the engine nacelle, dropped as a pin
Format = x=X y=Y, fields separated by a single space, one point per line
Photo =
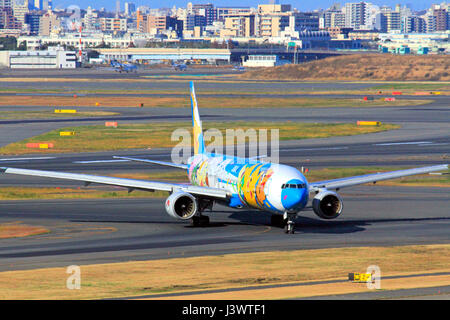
x=181 y=205
x=327 y=204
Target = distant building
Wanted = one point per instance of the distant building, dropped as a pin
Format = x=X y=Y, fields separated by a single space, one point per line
x=356 y=14
x=194 y=20
x=160 y=24
x=7 y=18
x=223 y=12
x=49 y=23
x=206 y=10
x=441 y=19
x=413 y=24
x=51 y=59
x=130 y=8
x=36 y=4
x=255 y=61
x=33 y=21
x=113 y=24
x=333 y=19
x=19 y=11
x=239 y=25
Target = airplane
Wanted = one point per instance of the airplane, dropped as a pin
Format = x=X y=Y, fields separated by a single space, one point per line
x=237 y=183
x=123 y=67
x=239 y=68
x=179 y=66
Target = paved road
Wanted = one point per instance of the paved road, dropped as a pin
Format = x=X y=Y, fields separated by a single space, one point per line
x=100 y=231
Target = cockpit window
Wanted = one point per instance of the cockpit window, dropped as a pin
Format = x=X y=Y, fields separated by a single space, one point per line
x=293 y=186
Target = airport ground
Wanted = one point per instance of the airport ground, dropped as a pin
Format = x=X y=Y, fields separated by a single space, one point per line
x=97 y=231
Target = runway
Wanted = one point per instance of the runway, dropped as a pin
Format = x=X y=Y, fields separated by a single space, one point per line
x=116 y=230
x=103 y=231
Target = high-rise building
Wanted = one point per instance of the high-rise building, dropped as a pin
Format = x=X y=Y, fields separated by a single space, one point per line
x=7 y=19
x=90 y=20
x=20 y=10
x=130 y=8
x=413 y=24
x=37 y=4
x=430 y=21
x=49 y=23
x=33 y=21
x=356 y=14
x=206 y=10
x=441 y=19
x=194 y=20
x=113 y=24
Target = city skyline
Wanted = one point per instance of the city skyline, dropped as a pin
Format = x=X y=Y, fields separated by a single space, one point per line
x=319 y=4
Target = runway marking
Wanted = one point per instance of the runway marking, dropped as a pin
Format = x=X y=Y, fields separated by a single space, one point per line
x=27 y=159
x=434 y=144
x=401 y=143
x=313 y=149
x=99 y=161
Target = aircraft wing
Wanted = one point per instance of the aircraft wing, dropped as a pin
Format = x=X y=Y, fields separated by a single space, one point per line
x=131 y=184
x=352 y=181
x=161 y=163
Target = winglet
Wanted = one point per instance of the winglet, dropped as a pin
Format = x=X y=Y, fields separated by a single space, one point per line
x=199 y=144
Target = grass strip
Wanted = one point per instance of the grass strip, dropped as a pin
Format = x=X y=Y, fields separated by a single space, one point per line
x=18 y=230
x=222 y=271
x=158 y=135
x=237 y=100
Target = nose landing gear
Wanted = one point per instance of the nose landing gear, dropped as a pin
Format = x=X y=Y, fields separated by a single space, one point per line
x=286 y=221
x=290 y=222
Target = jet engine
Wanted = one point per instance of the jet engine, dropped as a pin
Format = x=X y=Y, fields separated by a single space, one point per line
x=181 y=205
x=327 y=204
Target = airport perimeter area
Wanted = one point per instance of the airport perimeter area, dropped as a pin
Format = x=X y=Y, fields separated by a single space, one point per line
x=126 y=245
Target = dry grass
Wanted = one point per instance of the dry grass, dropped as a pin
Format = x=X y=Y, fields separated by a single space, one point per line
x=234 y=101
x=17 y=230
x=225 y=271
x=158 y=135
x=49 y=114
x=302 y=291
x=362 y=67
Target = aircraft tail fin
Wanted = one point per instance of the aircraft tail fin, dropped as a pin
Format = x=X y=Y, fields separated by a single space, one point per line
x=199 y=144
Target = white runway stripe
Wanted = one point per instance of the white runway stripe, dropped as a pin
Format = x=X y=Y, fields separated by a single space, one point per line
x=99 y=161
x=400 y=143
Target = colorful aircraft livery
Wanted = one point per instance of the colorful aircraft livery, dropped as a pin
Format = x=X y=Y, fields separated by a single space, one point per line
x=237 y=183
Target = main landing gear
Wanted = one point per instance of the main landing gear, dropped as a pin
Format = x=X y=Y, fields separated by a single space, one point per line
x=200 y=220
x=286 y=221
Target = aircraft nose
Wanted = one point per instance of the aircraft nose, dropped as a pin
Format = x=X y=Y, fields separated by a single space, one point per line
x=293 y=198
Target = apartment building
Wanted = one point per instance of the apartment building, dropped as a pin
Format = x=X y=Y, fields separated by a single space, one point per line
x=113 y=24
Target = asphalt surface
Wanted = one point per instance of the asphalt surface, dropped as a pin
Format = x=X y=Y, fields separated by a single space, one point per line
x=113 y=230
